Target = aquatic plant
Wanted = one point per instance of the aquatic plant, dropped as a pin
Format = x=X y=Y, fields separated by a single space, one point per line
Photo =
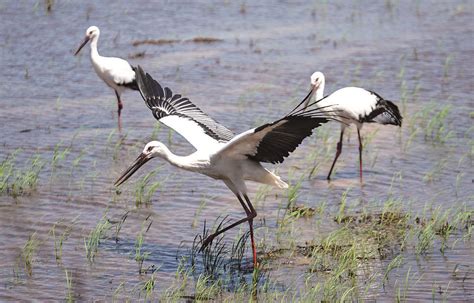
x=58 y=156
x=207 y=288
x=433 y=122
x=148 y=287
x=118 y=225
x=91 y=243
x=144 y=189
x=262 y=192
x=292 y=191
x=176 y=291
x=300 y=211
x=440 y=224
x=447 y=64
x=342 y=206
x=69 y=291
x=154 y=133
x=395 y=263
x=17 y=182
x=110 y=137
x=28 y=251
x=212 y=255
x=118 y=147
x=170 y=136
x=59 y=241
x=198 y=212
x=140 y=256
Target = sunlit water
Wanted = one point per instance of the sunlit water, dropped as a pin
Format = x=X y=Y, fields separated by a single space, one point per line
x=418 y=52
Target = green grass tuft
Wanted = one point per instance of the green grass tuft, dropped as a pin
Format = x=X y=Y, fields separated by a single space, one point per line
x=18 y=182
x=91 y=243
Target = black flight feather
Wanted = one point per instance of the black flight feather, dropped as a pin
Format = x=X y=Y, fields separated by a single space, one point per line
x=163 y=103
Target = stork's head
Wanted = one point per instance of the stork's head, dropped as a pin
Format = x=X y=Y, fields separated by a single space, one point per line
x=92 y=33
x=155 y=149
x=152 y=149
x=317 y=80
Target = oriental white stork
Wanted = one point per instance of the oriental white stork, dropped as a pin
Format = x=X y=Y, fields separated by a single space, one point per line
x=219 y=153
x=115 y=72
x=353 y=105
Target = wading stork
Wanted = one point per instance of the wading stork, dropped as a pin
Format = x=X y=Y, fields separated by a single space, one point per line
x=353 y=105
x=219 y=153
x=115 y=72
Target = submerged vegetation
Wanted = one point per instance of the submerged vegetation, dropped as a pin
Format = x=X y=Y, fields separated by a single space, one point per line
x=140 y=255
x=145 y=188
x=16 y=181
x=28 y=251
x=339 y=266
x=91 y=243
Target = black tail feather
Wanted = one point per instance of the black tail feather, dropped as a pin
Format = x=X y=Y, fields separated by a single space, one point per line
x=386 y=112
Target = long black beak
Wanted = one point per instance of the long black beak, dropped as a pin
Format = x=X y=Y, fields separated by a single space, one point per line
x=142 y=159
x=82 y=45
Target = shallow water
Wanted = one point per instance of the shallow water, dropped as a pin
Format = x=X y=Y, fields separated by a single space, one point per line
x=418 y=54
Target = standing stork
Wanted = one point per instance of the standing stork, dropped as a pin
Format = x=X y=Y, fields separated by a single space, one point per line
x=353 y=105
x=115 y=72
x=219 y=153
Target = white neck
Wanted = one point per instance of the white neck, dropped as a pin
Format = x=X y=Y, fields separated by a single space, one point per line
x=94 y=51
x=319 y=92
x=184 y=162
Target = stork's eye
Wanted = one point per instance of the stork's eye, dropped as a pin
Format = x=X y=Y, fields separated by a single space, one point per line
x=150 y=148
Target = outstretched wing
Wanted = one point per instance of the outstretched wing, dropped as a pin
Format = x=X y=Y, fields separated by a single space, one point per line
x=273 y=142
x=180 y=114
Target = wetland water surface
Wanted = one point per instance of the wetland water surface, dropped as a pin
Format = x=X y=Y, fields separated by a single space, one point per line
x=52 y=106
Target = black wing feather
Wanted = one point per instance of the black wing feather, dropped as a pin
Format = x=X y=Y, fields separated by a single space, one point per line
x=283 y=139
x=163 y=103
x=273 y=142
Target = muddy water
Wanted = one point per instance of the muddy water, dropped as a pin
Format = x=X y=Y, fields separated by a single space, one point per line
x=419 y=52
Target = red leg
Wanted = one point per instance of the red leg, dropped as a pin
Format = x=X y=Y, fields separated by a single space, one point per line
x=254 y=249
x=338 y=152
x=360 y=155
x=250 y=215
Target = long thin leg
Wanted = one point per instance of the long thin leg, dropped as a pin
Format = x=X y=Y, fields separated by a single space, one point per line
x=250 y=215
x=120 y=106
x=360 y=155
x=338 y=152
x=254 y=249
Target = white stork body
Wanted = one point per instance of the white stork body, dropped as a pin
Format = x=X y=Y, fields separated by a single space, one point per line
x=219 y=154
x=117 y=73
x=222 y=166
x=354 y=105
